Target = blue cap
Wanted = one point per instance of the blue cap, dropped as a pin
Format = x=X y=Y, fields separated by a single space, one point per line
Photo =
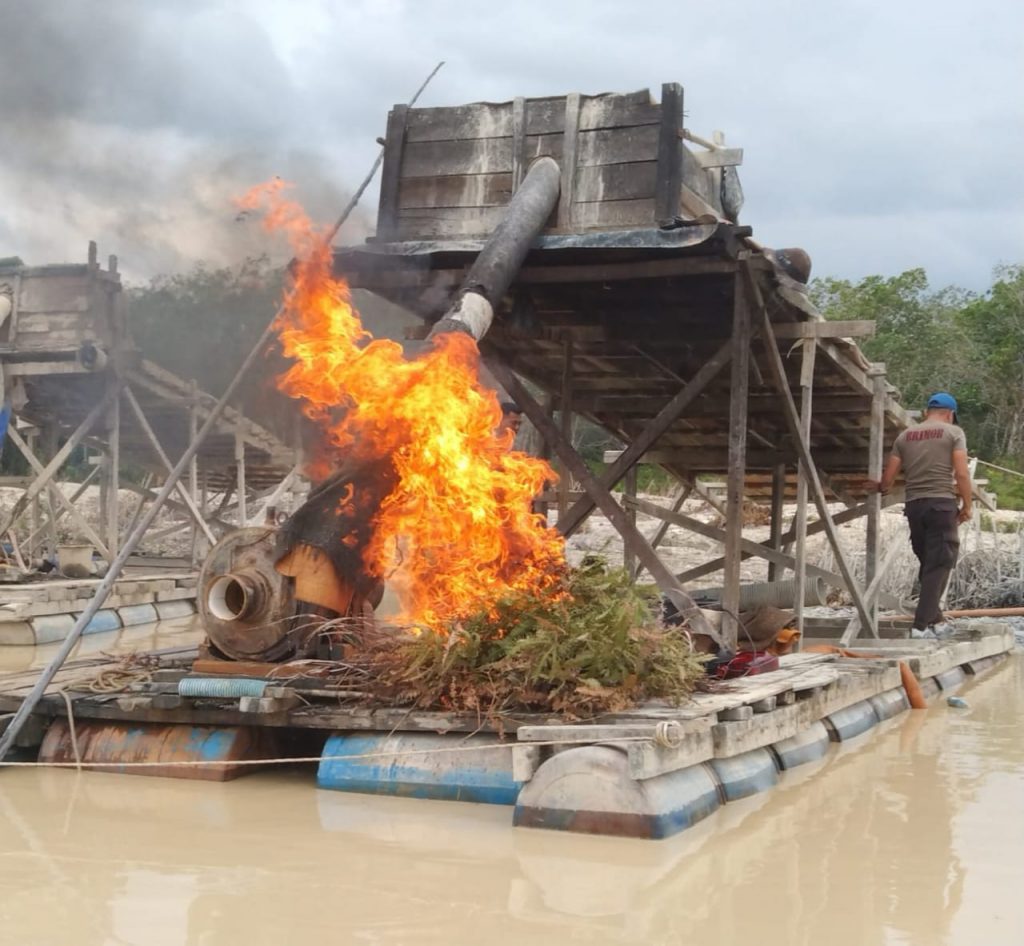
x=942 y=401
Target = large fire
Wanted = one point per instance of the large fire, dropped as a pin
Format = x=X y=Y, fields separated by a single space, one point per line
x=457 y=531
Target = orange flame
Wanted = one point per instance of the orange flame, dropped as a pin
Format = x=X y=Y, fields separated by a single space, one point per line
x=457 y=531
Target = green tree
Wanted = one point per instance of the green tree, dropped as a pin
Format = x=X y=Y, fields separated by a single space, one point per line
x=994 y=324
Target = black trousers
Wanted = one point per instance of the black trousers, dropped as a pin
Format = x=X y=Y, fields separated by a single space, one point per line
x=935 y=539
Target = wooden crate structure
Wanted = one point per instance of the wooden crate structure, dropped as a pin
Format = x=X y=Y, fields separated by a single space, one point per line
x=449 y=172
x=57 y=309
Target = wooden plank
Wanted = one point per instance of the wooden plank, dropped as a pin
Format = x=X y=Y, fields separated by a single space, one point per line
x=718 y=158
x=860 y=328
x=483 y=156
x=543 y=116
x=391 y=173
x=669 y=178
x=736 y=478
x=634 y=180
x=617 y=145
x=448 y=222
x=613 y=214
x=458 y=190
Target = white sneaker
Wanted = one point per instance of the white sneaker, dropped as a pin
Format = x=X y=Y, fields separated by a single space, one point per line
x=917 y=634
x=943 y=630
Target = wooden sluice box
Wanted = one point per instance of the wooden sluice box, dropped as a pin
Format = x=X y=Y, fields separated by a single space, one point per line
x=650 y=772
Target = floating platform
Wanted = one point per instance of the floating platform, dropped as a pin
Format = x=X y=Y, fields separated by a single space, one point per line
x=647 y=773
x=44 y=611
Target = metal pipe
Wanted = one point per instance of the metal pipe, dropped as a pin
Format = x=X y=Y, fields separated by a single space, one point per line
x=103 y=590
x=777 y=594
x=503 y=253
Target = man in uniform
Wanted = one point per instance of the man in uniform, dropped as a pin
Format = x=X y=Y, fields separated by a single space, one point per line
x=933 y=458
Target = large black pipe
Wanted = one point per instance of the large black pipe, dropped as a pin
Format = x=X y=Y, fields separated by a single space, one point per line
x=504 y=252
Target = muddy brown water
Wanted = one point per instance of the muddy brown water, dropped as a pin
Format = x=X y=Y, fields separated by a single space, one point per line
x=913 y=834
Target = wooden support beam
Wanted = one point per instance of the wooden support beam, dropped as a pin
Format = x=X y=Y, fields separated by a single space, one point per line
x=847 y=515
x=677 y=503
x=748 y=545
x=602 y=497
x=736 y=478
x=58 y=494
x=59 y=459
x=665 y=418
x=75 y=496
x=871 y=593
x=778 y=499
x=154 y=442
x=777 y=370
x=860 y=328
x=810 y=348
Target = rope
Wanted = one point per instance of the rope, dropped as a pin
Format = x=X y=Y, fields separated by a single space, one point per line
x=199 y=763
x=118 y=678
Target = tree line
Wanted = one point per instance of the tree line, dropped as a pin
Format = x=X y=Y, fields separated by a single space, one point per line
x=201 y=324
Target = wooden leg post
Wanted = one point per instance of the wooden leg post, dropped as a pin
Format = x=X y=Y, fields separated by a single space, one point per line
x=778 y=502
x=628 y=552
x=114 y=472
x=565 y=418
x=243 y=516
x=603 y=499
x=810 y=350
x=778 y=372
x=875 y=448
x=737 y=477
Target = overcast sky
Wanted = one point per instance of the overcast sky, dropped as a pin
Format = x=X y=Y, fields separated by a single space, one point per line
x=878 y=135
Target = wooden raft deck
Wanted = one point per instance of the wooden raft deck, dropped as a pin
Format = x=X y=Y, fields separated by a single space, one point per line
x=738 y=716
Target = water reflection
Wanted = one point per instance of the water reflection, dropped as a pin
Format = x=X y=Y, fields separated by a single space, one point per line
x=912 y=836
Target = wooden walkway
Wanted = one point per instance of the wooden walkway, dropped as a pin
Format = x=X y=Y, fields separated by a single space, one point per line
x=737 y=716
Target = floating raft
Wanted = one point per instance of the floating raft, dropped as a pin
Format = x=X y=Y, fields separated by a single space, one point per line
x=650 y=772
x=44 y=611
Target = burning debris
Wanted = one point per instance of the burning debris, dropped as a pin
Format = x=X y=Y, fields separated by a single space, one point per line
x=587 y=645
x=432 y=498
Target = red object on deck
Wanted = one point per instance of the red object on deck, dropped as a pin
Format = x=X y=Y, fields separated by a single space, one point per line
x=748 y=663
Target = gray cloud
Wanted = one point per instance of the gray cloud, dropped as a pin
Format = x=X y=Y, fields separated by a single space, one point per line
x=878 y=137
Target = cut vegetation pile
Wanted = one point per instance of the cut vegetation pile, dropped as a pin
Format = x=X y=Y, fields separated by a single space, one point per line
x=591 y=645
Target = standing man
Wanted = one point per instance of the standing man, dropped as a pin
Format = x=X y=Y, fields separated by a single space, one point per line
x=933 y=457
